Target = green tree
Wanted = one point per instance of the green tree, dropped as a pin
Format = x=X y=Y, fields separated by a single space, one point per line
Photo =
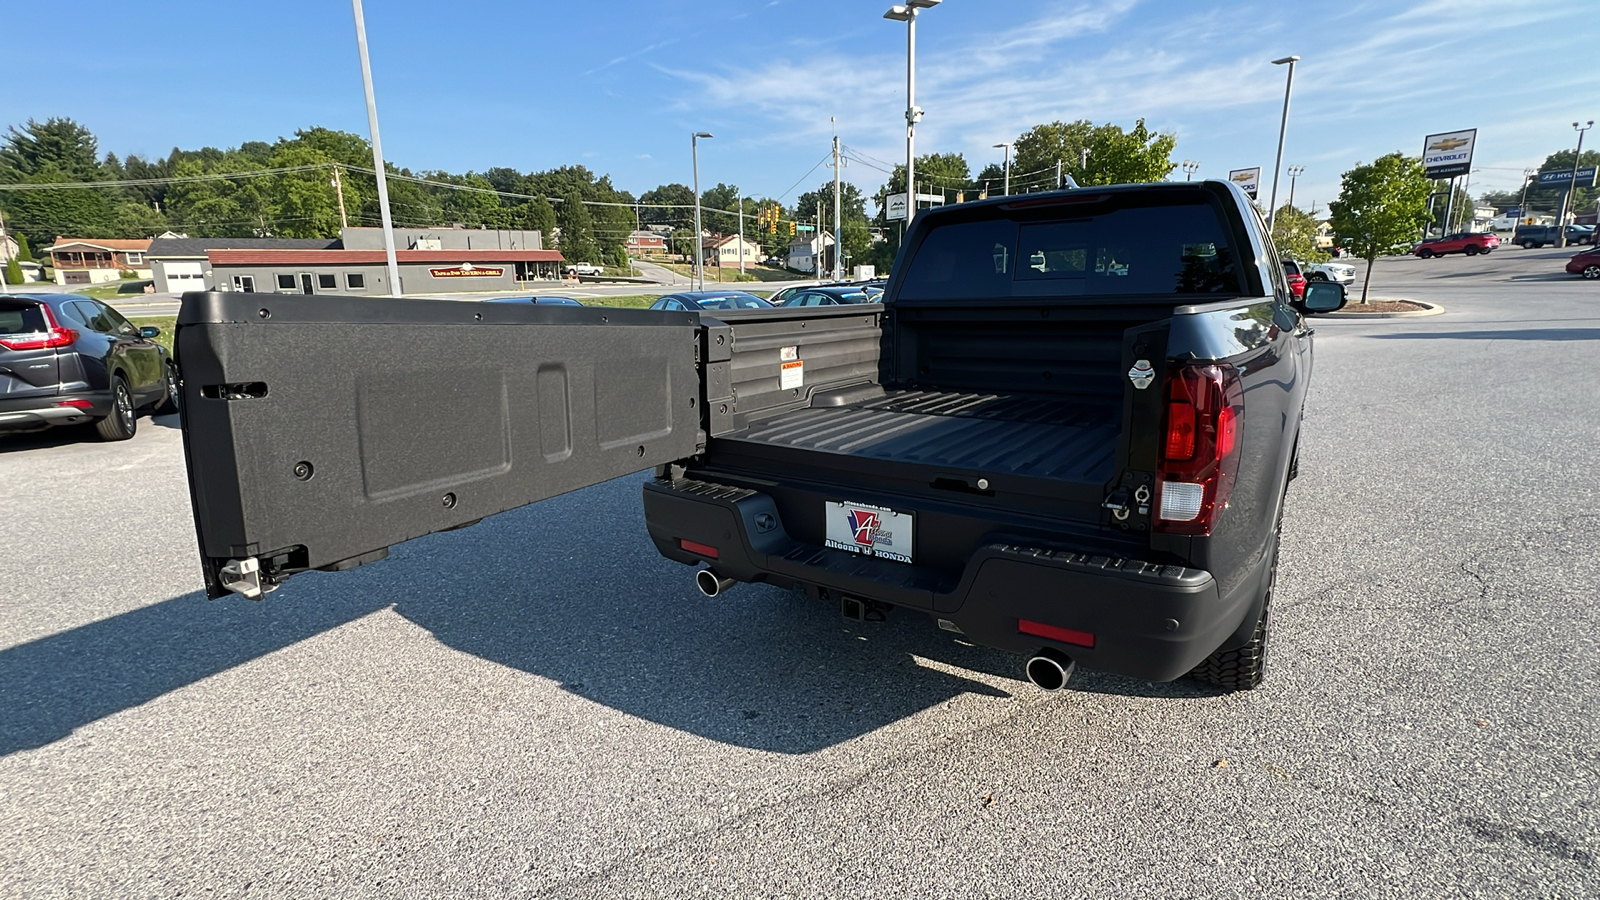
x=132 y=219
x=1039 y=149
x=13 y=271
x=1380 y=209
x=230 y=207
x=668 y=204
x=62 y=145
x=1546 y=199
x=1115 y=156
x=577 y=230
x=24 y=252
x=1294 y=231
x=44 y=213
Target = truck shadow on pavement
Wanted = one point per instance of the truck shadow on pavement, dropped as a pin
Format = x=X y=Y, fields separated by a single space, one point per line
x=756 y=667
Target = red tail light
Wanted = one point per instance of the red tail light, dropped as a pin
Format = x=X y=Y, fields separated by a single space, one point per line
x=75 y=404
x=55 y=337
x=705 y=550
x=1205 y=406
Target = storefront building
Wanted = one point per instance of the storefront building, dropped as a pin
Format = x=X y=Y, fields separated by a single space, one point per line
x=366 y=271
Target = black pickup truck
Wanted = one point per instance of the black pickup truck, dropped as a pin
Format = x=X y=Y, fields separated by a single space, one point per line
x=1067 y=431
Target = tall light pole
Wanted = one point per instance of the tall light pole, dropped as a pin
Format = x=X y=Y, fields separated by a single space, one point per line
x=1572 y=186
x=1008 y=166
x=1283 y=127
x=907 y=13
x=1294 y=174
x=1527 y=178
x=377 y=153
x=699 y=250
x=1190 y=166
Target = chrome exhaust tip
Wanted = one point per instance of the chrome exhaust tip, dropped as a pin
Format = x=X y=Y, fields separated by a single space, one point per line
x=1050 y=670
x=710 y=583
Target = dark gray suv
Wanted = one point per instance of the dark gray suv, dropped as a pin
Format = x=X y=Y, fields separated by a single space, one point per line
x=67 y=359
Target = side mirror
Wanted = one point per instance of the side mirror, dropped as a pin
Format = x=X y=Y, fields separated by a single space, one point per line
x=1323 y=296
x=149 y=331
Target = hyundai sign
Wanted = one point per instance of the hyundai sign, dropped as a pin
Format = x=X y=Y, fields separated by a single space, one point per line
x=1449 y=155
x=1563 y=177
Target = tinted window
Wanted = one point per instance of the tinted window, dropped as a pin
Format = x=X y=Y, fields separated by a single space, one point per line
x=118 y=323
x=21 y=320
x=355 y=281
x=286 y=282
x=1290 y=267
x=327 y=281
x=92 y=316
x=1135 y=250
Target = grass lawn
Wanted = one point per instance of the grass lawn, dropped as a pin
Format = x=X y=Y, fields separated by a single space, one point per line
x=730 y=274
x=112 y=290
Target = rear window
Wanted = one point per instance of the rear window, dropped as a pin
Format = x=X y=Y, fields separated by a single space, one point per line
x=1137 y=250
x=16 y=319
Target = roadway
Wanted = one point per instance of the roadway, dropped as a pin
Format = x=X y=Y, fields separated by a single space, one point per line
x=541 y=706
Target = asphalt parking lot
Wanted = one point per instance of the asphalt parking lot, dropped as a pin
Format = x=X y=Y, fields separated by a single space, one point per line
x=540 y=706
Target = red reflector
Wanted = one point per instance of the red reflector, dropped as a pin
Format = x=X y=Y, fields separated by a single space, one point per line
x=705 y=550
x=1055 y=633
x=1227 y=430
x=1180 y=431
x=76 y=404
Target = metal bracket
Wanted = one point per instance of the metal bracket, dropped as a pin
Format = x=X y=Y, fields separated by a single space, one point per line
x=242 y=577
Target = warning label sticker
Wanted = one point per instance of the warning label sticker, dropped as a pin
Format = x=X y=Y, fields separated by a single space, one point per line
x=792 y=375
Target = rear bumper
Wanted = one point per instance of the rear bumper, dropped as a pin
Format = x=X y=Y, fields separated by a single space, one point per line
x=1148 y=621
x=34 y=413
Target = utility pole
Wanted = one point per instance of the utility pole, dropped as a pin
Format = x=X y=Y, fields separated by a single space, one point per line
x=838 y=228
x=1572 y=186
x=1058 y=173
x=338 y=188
x=820 y=235
x=739 y=200
x=1527 y=178
x=377 y=154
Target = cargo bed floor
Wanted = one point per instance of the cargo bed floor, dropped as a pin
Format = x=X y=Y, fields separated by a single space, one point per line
x=1056 y=438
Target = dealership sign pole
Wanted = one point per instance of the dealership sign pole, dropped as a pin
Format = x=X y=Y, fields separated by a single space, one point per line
x=1446 y=156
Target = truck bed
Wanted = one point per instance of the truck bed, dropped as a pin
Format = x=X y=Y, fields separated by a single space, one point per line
x=1063 y=439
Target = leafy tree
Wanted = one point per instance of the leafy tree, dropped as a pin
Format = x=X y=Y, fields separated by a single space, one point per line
x=1547 y=198
x=1042 y=146
x=44 y=213
x=132 y=219
x=13 y=271
x=577 y=230
x=234 y=207
x=1115 y=156
x=935 y=172
x=1380 y=208
x=24 y=252
x=1294 y=231
x=674 y=200
x=470 y=207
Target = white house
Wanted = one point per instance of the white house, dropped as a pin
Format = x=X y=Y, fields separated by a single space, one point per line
x=804 y=250
x=726 y=251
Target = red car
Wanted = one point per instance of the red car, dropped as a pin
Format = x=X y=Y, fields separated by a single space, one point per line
x=1466 y=242
x=1297 y=278
x=1586 y=264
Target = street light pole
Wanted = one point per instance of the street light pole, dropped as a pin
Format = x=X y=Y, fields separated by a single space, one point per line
x=908 y=14
x=1008 y=167
x=699 y=251
x=1294 y=175
x=377 y=153
x=1572 y=186
x=1190 y=166
x=1283 y=128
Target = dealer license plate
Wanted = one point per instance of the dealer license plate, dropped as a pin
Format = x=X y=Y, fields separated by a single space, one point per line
x=869 y=530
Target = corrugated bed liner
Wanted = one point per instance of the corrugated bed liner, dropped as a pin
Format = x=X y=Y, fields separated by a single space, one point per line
x=1066 y=439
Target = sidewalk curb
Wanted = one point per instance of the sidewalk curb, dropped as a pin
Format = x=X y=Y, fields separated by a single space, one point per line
x=1433 y=309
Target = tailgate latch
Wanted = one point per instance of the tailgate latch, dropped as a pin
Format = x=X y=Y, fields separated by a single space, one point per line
x=1117 y=502
x=243 y=577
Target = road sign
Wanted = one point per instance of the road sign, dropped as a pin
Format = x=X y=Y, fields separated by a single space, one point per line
x=1248 y=180
x=1563 y=177
x=895 y=208
x=805 y=228
x=1450 y=154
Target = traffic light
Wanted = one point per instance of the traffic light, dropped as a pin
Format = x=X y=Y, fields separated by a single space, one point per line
x=791 y=229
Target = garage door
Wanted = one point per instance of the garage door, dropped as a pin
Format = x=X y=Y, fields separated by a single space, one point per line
x=185 y=276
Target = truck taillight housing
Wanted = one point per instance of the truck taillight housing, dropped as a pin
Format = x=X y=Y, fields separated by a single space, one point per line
x=1200 y=454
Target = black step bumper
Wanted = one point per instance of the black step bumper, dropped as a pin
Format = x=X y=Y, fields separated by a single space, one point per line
x=1148 y=621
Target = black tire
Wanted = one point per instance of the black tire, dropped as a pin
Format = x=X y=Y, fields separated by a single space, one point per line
x=1424 y=253
x=168 y=403
x=1243 y=668
x=1317 y=276
x=1527 y=245
x=1472 y=250
x=123 y=422
x=1591 y=272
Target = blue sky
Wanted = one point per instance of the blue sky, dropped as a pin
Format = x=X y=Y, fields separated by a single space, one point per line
x=619 y=86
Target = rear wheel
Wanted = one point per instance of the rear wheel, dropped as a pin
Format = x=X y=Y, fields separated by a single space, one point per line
x=1242 y=668
x=1425 y=254
x=122 y=423
x=1317 y=276
x=1591 y=272
x=169 y=398
x=1472 y=250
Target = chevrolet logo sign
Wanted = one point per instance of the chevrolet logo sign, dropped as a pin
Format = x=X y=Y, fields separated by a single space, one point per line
x=1448 y=144
x=1244 y=177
